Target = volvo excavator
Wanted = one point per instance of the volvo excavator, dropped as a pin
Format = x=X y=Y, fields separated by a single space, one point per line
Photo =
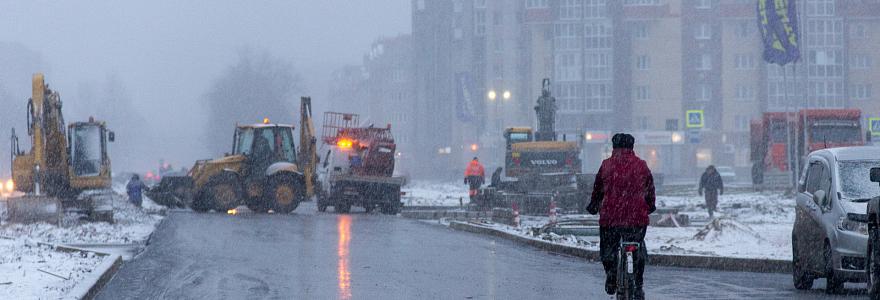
x=539 y=168
x=67 y=167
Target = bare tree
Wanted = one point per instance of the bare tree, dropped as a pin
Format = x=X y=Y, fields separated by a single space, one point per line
x=257 y=86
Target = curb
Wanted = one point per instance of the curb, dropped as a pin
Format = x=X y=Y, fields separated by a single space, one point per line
x=666 y=260
x=89 y=287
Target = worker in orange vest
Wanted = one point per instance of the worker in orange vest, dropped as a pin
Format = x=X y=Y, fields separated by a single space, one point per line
x=474 y=176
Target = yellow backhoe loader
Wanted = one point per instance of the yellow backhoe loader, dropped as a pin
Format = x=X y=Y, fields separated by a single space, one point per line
x=67 y=168
x=264 y=171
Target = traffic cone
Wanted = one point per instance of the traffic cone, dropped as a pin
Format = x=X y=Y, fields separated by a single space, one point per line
x=515 y=214
x=552 y=212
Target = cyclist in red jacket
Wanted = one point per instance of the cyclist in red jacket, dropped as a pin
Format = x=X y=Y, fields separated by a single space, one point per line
x=623 y=196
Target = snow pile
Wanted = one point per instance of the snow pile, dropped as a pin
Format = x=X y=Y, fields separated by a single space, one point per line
x=432 y=193
x=25 y=270
x=725 y=228
x=132 y=225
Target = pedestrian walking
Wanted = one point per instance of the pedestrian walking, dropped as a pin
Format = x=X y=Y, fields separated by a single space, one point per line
x=135 y=189
x=711 y=186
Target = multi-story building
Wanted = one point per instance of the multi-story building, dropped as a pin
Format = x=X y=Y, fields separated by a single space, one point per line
x=638 y=66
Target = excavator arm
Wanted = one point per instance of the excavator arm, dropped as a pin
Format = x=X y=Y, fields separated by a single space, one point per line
x=308 y=156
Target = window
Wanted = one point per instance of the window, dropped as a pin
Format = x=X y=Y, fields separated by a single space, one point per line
x=861 y=61
x=420 y=5
x=642 y=93
x=861 y=91
x=598 y=97
x=598 y=65
x=703 y=4
x=497 y=18
x=570 y=96
x=597 y=35
x=671 y=124
x=741 y=123
x=642 y=123
x=745 y=29
x=537 y=4
x=596 y=9
x=643 y=62
x=744 y=62
x=641 y=2
x=820 y=8
x=639 y=30
x=568 y=67
x=703 y=31
x=566 y=36
x=857 y=31
x=480 y=22
x=570 y=9
x=704 y=93
x=705 y=62
x=744 y=93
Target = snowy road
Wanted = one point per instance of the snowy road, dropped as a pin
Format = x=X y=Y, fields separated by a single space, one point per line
x=324 y=256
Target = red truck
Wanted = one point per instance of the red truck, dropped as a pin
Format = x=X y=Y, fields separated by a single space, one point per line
x=825 y=128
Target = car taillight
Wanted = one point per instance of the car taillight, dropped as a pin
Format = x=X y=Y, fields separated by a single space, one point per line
x=569 y=161
x=631 y=248
x=517 y=161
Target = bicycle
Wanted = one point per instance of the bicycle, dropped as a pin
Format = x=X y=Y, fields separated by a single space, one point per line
x=626 y=277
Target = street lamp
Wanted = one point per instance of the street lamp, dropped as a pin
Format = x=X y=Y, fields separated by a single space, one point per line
x=491 y=95
x=506 y=95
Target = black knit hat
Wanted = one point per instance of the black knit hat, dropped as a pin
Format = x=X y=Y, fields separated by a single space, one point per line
x=623 y=141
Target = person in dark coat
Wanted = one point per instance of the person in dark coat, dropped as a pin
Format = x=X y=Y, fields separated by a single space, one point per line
x=135 y=190
x=623 y=196
x=710 y=186
x=496 y=178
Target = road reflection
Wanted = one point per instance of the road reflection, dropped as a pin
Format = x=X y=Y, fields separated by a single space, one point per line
x=343 y=274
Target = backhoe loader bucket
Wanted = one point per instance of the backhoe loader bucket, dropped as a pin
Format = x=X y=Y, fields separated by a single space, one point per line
x=33 y=209
x=172 y=191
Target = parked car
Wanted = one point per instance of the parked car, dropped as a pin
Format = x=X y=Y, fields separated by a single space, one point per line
x=728 y=175
x=872 y=254
x=825 y=242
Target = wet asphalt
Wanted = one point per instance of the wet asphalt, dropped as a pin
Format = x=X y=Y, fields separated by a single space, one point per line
x=311 y=255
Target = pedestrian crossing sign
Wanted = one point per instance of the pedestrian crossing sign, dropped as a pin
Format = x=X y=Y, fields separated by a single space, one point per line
x=695 y=118
x=874 y=126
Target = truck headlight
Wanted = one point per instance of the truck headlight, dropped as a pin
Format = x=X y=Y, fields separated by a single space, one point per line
x=10 y=186
x=848 y=225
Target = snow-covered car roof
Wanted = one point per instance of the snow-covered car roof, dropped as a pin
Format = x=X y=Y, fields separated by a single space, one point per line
x=853 y=153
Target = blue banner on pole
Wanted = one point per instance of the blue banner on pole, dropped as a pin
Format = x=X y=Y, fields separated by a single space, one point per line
x=464 y=104
x=778 y=23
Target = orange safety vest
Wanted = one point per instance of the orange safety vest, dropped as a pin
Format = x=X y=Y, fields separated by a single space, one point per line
x=474 y=169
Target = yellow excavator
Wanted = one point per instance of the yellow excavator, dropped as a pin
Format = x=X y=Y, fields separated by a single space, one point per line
x=67 y=167
x=264 y=171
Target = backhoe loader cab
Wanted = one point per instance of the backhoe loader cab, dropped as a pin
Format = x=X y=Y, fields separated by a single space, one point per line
x=265 y=143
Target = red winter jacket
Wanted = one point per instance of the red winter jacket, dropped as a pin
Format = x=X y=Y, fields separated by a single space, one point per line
x=623 y=193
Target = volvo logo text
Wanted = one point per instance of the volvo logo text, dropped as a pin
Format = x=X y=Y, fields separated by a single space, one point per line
x=544 y=162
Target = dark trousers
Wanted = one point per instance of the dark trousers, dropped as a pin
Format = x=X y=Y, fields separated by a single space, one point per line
x=711 y=201
x=609 y=247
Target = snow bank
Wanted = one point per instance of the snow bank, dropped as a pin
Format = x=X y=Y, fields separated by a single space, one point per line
x=432 y=193
x=25 y=268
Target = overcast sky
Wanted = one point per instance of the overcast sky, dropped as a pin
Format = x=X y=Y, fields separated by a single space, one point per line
x=166 y=52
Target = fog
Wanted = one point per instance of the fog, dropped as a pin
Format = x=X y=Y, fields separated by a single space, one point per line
x=161 y=56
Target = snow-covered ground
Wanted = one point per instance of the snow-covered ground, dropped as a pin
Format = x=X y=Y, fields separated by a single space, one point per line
x=25 y=269
x=21 y=258
x=432 y=193
x=748 y=225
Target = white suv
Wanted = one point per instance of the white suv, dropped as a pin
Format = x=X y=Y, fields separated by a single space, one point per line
x=825 y=243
